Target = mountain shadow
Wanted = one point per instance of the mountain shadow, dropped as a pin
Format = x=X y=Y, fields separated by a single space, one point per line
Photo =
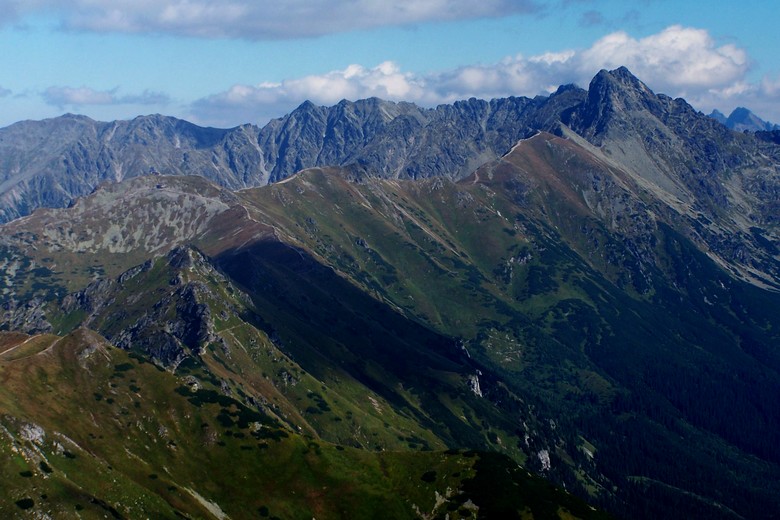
x=329 y=326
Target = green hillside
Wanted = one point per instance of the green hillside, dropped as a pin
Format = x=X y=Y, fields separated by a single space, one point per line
x=339 y=346
x=91 y=431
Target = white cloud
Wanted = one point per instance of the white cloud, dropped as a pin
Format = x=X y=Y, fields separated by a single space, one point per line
x=762 y=98
x=256 y=19
x=84 y=96
x=69 y=96
x=771 y=87
x=258 y=103
x=677 y=61
x=676 y=58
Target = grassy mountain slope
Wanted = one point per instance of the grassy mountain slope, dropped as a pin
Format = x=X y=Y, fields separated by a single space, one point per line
x=390 y=315
x=118 y=437
x=554 y=280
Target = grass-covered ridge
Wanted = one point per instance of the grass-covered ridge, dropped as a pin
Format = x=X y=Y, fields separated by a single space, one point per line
x=117 y=436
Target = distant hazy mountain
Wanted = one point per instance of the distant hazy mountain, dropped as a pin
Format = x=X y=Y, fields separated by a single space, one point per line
x=719 y=116
x=743 y=120
x=584 y=286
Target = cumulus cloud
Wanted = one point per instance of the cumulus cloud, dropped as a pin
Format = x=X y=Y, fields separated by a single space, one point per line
x=258 y=103
x=83 y=96
x=257 y=19
x=771 y=87
x=687 y=62
x=678 y=61
x=63 y=96
x=762 y=98
x=676 y=58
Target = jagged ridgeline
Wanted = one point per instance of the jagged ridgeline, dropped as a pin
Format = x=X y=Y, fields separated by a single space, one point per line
x=49 y=163
x=582 y=287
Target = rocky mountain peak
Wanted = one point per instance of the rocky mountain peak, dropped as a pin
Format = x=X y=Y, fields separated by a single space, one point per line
x=569 y=87
x=74 y=117
x=718 y=116
x=304 y=111
x=614 y=95
x=616 y=87
x=742 y=119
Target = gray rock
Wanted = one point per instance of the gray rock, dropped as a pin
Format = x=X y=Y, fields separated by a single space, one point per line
x=28 y=317
x=50 y=163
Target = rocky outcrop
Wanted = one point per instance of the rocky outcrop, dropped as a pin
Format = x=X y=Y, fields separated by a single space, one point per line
x=687 y=167
x=179 y=323
x=717 y=186
x=402 y=140
x=49 y=163
x=28 y=317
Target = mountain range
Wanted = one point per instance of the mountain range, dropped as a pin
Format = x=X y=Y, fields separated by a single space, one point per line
x=49 y=163
x=375 y=307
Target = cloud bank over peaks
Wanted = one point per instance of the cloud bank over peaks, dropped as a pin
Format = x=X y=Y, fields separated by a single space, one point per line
x=676 y=58
x=259 y=103
x=256 y=19
x=678 y=61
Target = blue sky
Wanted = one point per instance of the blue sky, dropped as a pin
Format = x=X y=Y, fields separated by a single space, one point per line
x=246 y=61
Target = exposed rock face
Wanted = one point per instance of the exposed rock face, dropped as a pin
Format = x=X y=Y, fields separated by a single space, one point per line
x=723 y=183
x=28 y=317
x=578 y=269
x=684 y=165
x=95 y=296
x=178 y=324
x=149 y=213
x=49 y=163
x=394 y=139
